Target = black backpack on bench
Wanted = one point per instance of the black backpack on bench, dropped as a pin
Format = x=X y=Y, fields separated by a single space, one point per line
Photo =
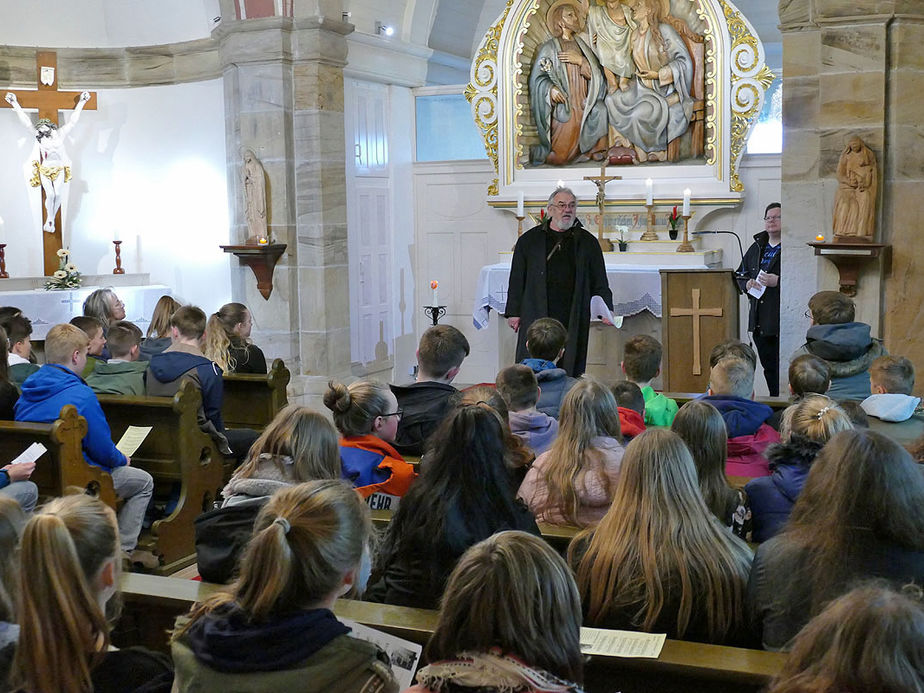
x=221 y=537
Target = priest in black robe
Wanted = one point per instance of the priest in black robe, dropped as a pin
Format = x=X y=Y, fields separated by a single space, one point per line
x=557 y=267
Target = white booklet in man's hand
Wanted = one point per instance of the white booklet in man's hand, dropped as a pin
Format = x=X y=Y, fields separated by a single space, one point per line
x=31 y=454
x=599 y=311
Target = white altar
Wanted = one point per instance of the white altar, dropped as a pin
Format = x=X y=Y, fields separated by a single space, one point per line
x=48 y=308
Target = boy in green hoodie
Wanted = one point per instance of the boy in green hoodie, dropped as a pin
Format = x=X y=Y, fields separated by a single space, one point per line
x=123 y=374
x=641 y=362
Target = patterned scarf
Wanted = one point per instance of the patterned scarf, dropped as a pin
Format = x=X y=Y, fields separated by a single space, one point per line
x=503 y=673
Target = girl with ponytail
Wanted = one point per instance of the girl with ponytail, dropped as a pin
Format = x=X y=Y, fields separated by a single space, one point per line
x=274 y=629
x=69 y=569
x=227 y=340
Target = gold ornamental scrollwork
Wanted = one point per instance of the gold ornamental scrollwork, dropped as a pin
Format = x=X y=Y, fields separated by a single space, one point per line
x=750 y=79
x=481 y=92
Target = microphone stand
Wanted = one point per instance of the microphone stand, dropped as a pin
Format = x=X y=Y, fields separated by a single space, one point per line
x=740 y=249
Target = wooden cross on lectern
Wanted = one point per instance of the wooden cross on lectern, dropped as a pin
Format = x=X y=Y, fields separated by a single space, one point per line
x=48 y=100
x=601 y=181
x=696 y=312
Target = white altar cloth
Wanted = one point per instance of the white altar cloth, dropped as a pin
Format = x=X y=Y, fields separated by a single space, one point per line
x=635 y=288
x=49 y=308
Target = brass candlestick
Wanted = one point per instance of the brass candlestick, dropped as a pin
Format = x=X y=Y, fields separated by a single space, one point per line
x=519 y=229
x=650 y=234
x=686 y=246
x=118 y=257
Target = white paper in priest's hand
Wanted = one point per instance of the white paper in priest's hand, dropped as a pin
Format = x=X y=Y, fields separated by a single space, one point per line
x=600 y=312
x=757 y=291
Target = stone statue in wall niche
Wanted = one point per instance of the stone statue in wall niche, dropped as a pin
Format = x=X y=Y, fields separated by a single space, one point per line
x=855 y=200
x=253 y=177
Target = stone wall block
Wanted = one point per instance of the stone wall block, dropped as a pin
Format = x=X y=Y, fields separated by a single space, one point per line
x=851 y=9
x=801 y=54
x=907 y=152
x=800 y=102
x=803 y=150
x=250 y=45
x=322 y=246
x=794 y=12
x=318 y=87
x=265 y=86
x=853 y=47
x=851 y=99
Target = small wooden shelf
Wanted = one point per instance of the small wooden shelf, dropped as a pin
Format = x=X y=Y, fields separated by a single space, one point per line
x=848 y=256
x=261 y=259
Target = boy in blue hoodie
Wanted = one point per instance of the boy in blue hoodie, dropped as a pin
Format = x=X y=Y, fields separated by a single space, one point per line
x=545 y=344
x=58 y=383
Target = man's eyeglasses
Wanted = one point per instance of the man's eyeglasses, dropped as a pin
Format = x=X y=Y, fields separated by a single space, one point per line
x=399 y=413
x=772 y=218
x=809 y=315
x=565 y=205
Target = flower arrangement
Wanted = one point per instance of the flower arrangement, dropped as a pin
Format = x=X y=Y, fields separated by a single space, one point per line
x=673 y=218
x=67 y=276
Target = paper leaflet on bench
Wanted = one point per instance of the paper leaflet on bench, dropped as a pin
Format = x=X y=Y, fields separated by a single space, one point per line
x=31 y=454
x=132 y=439
x=621 y=643
x=404 y=655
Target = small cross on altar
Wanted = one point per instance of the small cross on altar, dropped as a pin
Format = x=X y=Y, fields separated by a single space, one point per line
x=600 y=181
x=696 y=312
x=48 y=100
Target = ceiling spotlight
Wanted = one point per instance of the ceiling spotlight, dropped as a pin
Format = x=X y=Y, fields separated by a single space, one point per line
x=384 y=29
x=346 y=16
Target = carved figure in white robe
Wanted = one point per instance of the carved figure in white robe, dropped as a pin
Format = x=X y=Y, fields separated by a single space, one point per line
x=609 y=27
x=657 y=107
x=253 y=178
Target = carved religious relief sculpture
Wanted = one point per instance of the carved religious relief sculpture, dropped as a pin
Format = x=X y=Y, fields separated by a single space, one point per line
x=253 y=178
x=50 y=163
x=855 y=200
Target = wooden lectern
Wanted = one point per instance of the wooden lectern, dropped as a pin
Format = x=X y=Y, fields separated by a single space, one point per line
x=700 y=310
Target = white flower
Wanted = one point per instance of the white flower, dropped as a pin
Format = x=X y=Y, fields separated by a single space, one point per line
x=70 y=267
x=545 y=64
x=60 y=274
x=63 y=253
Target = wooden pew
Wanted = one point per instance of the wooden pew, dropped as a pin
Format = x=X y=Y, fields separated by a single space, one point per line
x=152 y=603
x=775 y=403
x=252 y=401
x=175 y=451
x=63 y=467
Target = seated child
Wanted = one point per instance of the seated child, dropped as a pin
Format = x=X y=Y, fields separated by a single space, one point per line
x=19 y=331
x=367 y=415
x=895 y=411
x=844 y=344
x=545 y=343
x=12 y=520
x=574 y=482
x=808 y=375
x=731 y=387
x=123 y=374
x=58 y=383
x=227 y=340
x=427 y=401
x=631 y=404
x=732 y=348
x=641 y=363
x=812 y=423
x=9 y=393
x=520 y=390
x=94 y=331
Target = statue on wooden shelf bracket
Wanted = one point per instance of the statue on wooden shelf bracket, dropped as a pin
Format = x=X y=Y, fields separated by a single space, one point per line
x=253 y=177
x=50 y=165
x=855 y=200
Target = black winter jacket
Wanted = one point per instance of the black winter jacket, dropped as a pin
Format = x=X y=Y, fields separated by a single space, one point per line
x=765 y=311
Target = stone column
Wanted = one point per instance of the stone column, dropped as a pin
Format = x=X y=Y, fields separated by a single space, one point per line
x=284 y=99
x=848 y=69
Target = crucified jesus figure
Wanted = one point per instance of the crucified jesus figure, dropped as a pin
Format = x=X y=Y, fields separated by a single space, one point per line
x=51 y=166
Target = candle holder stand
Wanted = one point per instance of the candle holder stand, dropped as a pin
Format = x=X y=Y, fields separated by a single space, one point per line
x=435 y=313
x=686 y=246
x=118 y=258
x=650 y=234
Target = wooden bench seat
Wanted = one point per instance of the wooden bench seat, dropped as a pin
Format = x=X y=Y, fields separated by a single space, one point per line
x=252 y=401
x=63 y=467
x=152 y=603
x=176 y=451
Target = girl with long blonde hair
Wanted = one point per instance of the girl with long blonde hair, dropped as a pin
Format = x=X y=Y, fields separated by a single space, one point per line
x=810 y=424
x=69 y=569
x=510 y=620
x=299 y=445
x=157 y=338
x=227 y=340
x=659 y=561
x=274 y=629
x=703 y=430
x=573 y=482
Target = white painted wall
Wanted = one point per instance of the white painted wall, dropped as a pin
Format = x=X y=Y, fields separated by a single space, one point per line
x=104 y=23
x=149 y=165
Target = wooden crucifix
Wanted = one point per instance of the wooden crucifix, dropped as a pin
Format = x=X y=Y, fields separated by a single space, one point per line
x=48 y=100
x=696 y=312
x=600 y=181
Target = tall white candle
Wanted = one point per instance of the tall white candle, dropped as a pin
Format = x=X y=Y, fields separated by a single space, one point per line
x=686 y=202
x=648 y=190
x=520 y=204
x=115 y=234
x=433 y=285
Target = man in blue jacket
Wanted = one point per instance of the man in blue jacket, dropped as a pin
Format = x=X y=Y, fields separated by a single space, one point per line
x=56 y=384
